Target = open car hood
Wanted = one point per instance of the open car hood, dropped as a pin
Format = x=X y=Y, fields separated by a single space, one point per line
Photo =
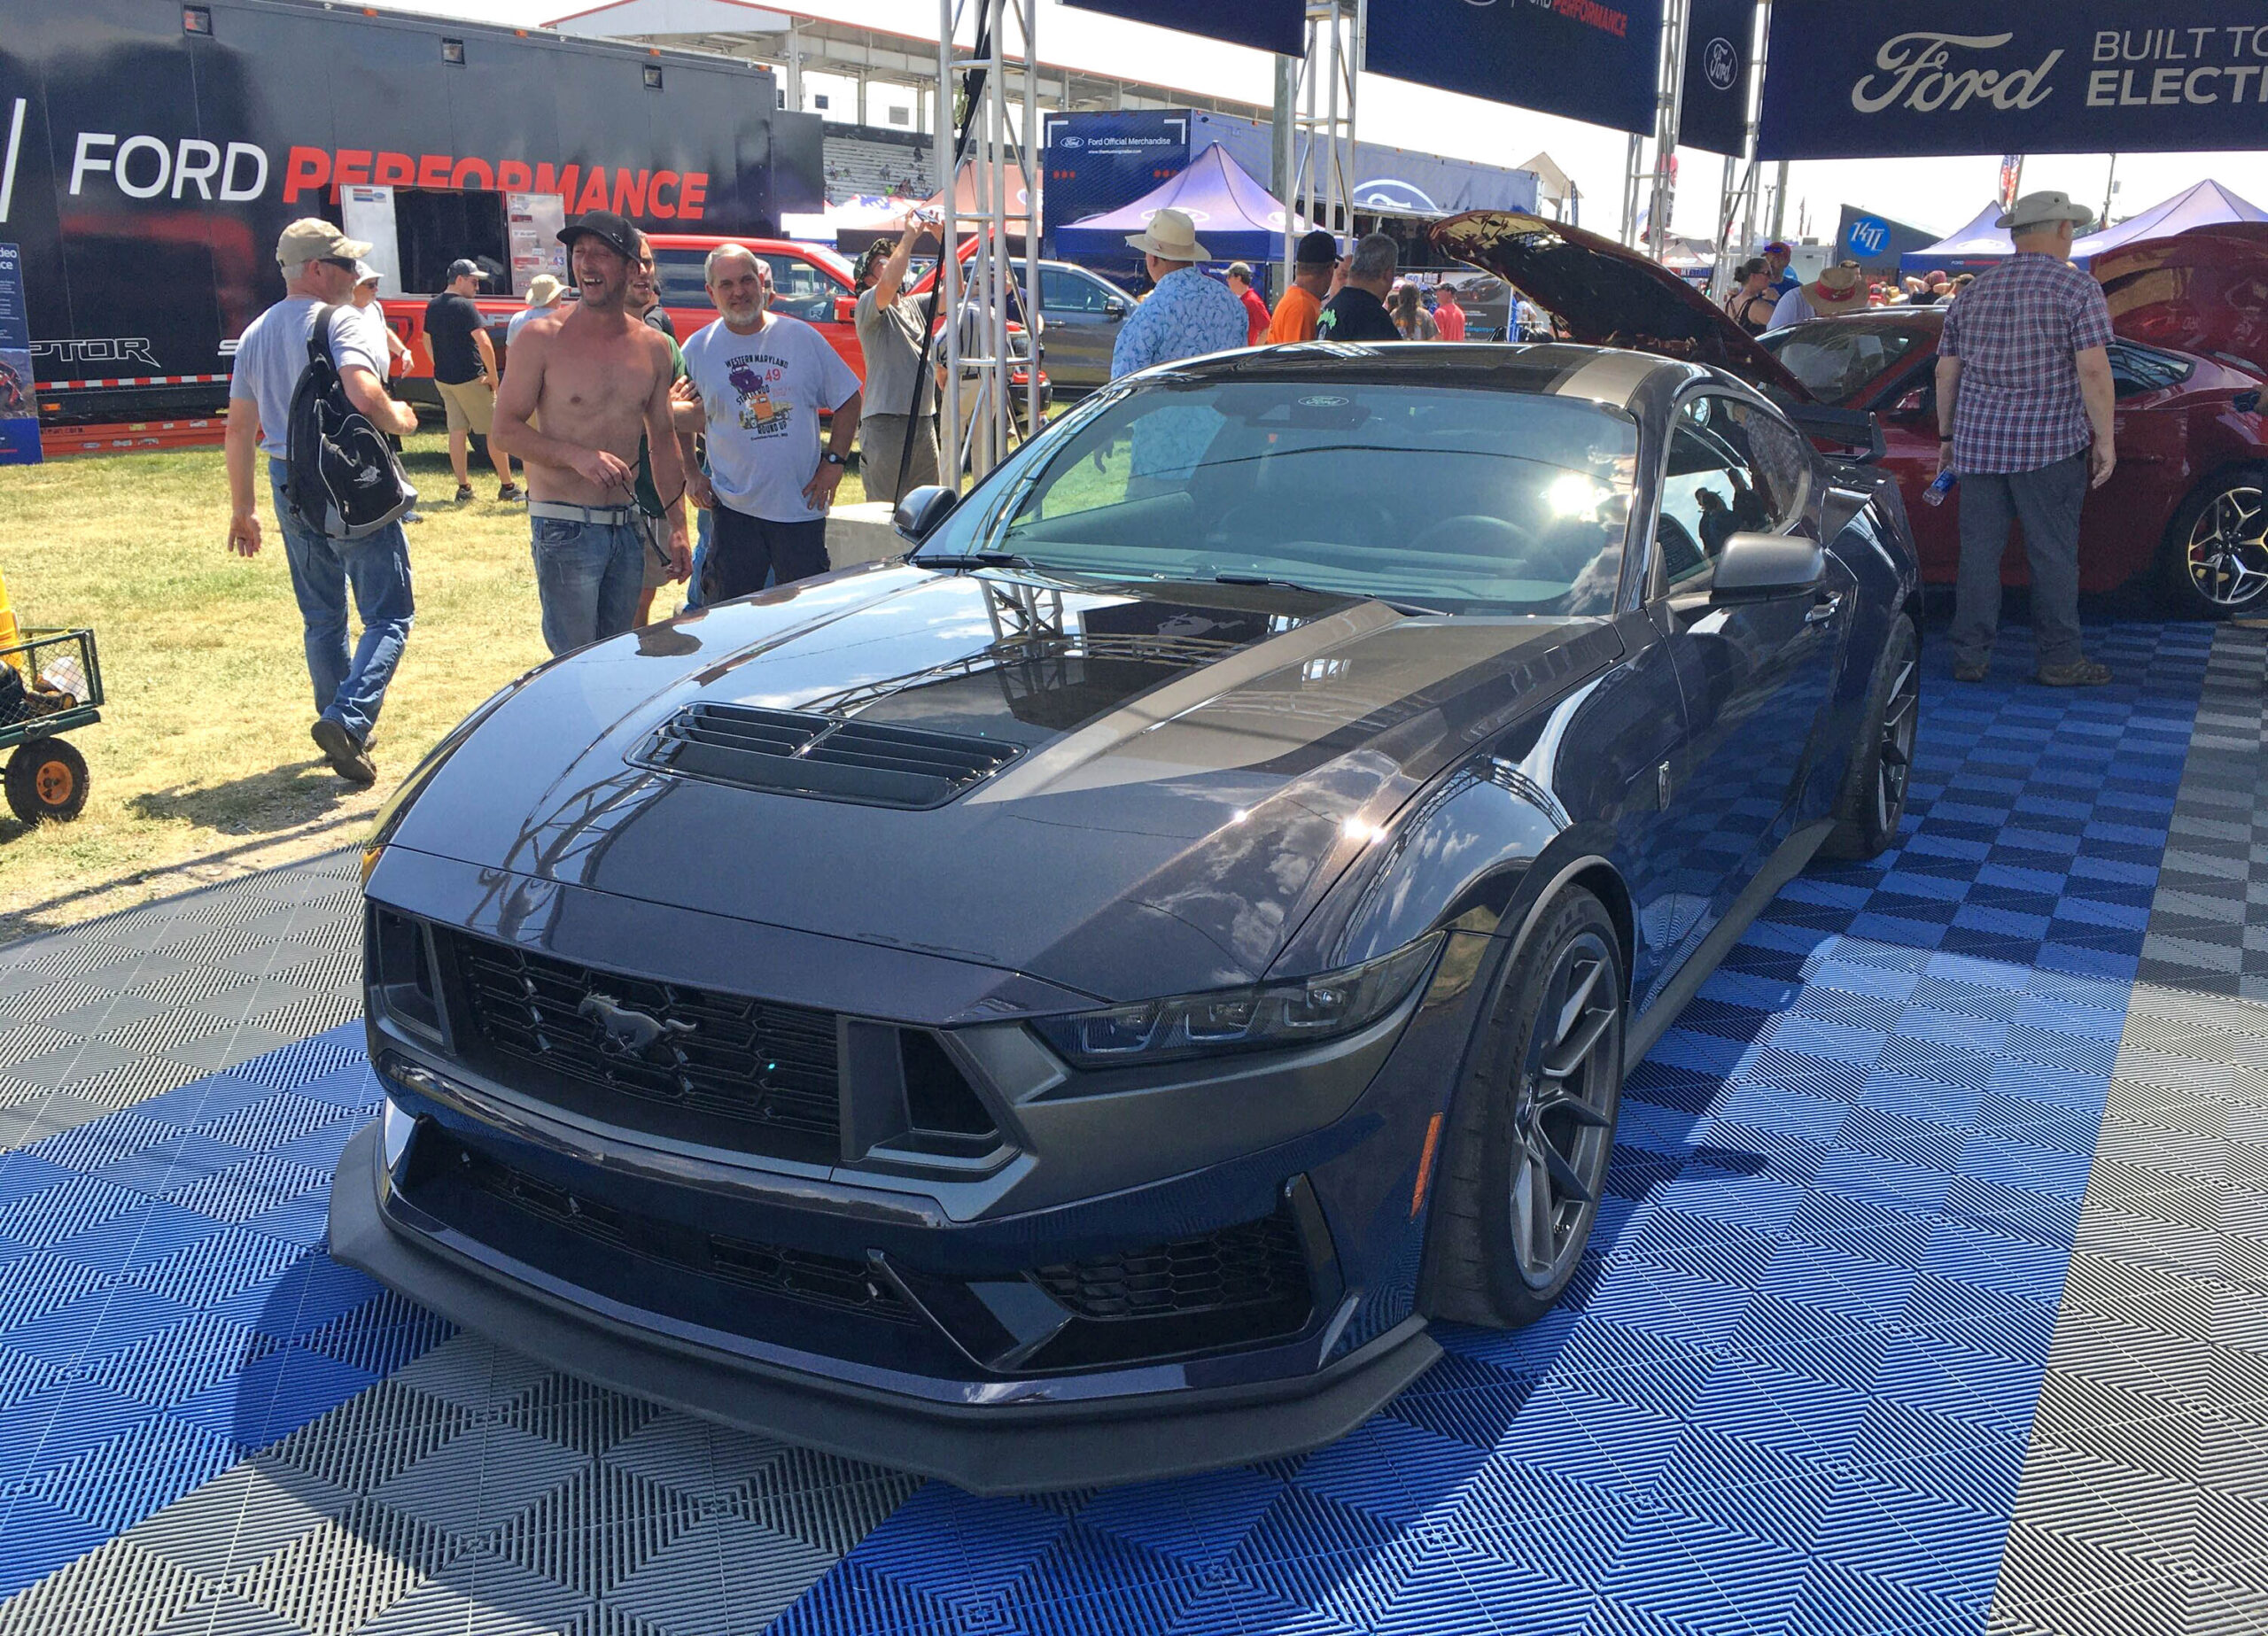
x=2205 y=290
x=1608 y=296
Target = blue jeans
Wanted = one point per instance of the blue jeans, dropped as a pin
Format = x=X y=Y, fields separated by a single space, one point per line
x=700 y=558
x=588 y=575
x=350 y=688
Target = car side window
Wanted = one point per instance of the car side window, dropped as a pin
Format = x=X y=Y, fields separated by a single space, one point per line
x=680 y=277
x=1066 y=293
x=1712 y=488
x=800 y=290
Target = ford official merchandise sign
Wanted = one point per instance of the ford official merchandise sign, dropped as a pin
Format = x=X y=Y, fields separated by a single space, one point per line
x=2015 y=76
x=1586 y=60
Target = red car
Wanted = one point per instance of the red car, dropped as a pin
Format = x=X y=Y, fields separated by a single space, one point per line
x=2186 y=510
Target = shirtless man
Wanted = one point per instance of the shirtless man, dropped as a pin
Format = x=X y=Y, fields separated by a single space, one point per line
x=584 y=386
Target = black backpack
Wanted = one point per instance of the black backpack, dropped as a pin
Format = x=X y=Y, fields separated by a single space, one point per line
x=342 y=480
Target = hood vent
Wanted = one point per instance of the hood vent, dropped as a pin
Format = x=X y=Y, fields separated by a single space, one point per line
x=797 y=753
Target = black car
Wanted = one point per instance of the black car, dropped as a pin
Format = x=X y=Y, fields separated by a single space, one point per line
x=1074 y=1005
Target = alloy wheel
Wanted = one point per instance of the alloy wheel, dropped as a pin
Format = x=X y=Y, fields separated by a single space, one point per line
x=2227 y=556
x=1563 y=1110
x=1898 y=718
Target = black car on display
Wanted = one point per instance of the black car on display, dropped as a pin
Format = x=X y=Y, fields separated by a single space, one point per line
x=1075 y=1005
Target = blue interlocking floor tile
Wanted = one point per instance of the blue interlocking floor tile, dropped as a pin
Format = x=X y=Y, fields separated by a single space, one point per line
x=166 y=1308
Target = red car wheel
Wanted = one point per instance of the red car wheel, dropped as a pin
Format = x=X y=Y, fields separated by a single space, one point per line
x=2216 y=564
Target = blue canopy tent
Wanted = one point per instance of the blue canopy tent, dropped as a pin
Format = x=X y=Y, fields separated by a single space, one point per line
x=2199 y=206
x=1237 y=220
x=1974 y=248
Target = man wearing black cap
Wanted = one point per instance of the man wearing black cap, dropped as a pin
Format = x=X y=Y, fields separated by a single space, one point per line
x=464 y=371
x=1298 y=313
x=590 y=382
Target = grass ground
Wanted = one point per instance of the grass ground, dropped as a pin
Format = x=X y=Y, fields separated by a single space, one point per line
x=201 y=767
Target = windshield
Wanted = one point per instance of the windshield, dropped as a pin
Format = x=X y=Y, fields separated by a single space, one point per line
x=1836 y=362
x=1464 y=500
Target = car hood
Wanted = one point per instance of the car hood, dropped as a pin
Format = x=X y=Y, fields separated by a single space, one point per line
x=1609 y=295
x=1192 y=767
x=2205 y=290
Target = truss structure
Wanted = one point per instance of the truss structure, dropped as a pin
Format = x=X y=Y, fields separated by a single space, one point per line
x=1323 y=123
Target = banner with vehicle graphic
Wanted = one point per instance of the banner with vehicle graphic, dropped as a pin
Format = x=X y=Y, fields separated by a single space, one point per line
x=18 y=413
x=2014 y=76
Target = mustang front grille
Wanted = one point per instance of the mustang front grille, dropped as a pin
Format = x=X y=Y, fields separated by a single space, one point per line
x=742 y=1072
x=798 y=753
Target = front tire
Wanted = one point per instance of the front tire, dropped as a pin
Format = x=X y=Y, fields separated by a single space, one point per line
x=46 y=782
x=2214 y=559
x=1872 y=799
x=1534 y=1124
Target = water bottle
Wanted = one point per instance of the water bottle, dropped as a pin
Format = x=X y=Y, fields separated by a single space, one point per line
x=1935 y=494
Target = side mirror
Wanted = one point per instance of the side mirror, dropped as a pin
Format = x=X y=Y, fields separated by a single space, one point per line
x=1911 y=406
x=1114 y=307
x=846 y=309
x=919 y=514
x=1759 y=567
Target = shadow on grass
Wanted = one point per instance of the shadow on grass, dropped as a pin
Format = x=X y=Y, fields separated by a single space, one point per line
x=260 y=803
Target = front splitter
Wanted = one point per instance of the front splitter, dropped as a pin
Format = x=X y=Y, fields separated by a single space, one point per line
x=1009 y=1448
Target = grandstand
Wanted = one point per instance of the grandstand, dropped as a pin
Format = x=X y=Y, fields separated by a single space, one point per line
x=876 y=163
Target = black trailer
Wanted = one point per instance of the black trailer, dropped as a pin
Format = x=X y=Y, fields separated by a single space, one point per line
x=151 y=152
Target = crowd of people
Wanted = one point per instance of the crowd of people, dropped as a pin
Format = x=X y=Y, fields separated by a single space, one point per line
x=1765 y=296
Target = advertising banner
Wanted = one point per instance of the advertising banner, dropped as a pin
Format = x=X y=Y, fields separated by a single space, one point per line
x=2014 y=76
x=1582 y=59
x=1712 y=113
x=1278 y=25
x=19 y=411
x=1876 y=241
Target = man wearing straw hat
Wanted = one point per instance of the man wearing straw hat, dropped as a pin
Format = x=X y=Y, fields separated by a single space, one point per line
x=1186 y=314
x=544 y=291
x=1840 y=289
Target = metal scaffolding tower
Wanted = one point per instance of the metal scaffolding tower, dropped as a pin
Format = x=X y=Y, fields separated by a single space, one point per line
x=1323 y=123
x=982 y=135
x=1669 y=102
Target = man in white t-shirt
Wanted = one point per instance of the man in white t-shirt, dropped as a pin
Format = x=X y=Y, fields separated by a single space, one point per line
x=320 y=268
x=764 y=379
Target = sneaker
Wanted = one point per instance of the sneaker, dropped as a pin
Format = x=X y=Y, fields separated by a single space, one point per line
x=510 y=492
x=1971 y=670
x=465 y=494
x=2078 y=673
x=413 y=517
x=344 y=752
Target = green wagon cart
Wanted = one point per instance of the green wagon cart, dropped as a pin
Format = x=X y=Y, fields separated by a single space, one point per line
x=51 y=684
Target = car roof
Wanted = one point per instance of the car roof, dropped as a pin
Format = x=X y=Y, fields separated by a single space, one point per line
x=1611 y=376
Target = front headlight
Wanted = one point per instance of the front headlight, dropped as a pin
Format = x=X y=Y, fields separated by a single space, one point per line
x=1269 y=1016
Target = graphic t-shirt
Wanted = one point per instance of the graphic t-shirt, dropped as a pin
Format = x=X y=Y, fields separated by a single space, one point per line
x=450 y=321
x=762 y=394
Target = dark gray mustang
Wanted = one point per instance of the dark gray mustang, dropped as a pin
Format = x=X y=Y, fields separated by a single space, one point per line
x=1075 y=1005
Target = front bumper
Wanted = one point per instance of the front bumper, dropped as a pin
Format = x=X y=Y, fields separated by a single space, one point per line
x=992 y=1447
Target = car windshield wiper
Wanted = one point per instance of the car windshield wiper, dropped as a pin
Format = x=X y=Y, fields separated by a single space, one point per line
x=976 y=559
x=1415 y=610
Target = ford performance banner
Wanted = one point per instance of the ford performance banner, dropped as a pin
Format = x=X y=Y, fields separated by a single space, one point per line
x=1713 y=112
x=1584 y=60
x=2014 y=76
x=1278 y=25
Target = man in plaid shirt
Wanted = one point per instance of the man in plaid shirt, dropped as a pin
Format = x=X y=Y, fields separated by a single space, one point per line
x=2023 y=417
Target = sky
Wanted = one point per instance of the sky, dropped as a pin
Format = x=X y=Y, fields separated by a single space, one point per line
x=1939 y=195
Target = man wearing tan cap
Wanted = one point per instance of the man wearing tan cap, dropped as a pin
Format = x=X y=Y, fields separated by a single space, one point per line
x=1840 y=289
x=2024 y=406
x=1186 y=314
x=320 y=268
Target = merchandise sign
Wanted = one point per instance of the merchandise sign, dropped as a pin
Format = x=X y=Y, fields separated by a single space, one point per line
x=2014 y=76
x=1278 y=25
x=19 y=411
x=1712 y=111
x=1583 y=59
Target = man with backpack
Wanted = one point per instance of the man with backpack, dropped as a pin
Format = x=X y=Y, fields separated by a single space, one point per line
x=319 y=273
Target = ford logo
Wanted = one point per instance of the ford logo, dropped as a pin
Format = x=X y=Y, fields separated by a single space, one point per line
x=1385 y=193
x=1722 y=63
x=1918 y=70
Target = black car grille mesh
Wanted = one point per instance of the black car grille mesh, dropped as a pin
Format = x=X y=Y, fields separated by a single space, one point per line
x=758 y=1068
x=797 y=753
x=805 y=1275
x=1256 y=1264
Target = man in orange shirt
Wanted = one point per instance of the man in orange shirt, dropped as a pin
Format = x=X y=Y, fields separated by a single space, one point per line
x=1302 y=303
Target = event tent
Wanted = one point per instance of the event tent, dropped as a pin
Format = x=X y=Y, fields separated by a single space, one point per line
x=1237 y=220
x=1971 y=250
x=2202 y=205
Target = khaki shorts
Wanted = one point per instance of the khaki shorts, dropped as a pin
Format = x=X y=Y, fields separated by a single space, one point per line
x=658 y=564
x=470 y=404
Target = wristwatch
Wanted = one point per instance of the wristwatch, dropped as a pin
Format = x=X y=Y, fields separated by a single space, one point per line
x=832 y=458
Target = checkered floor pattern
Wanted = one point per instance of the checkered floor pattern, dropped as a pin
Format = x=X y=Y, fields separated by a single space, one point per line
x=1795 y=1388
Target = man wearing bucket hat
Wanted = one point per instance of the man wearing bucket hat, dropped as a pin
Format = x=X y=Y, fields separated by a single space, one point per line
x=2024 y=403
x=1187 y=314
x=1840 y=289
x=544 y=291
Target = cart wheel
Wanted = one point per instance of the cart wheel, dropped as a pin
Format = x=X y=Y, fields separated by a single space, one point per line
x=47 y=779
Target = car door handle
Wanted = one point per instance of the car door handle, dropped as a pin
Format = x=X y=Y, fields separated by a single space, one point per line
x=1824 y=609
